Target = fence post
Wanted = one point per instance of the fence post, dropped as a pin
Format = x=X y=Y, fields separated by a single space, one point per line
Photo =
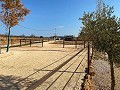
x=63 y=43
x=25 y=41
x=91 y=54
x=20 y=42
x=88 y=57
x=30 y=42
x=76 y=43
x=48 y=39
x=42 y=42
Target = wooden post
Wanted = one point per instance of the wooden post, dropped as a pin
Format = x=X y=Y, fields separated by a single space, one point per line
x=91 y=54
x=20 y=42
x=42 y=42
x=76 y=43
x=25 y=41
x=3 y=41
x=63 y=43
x=48 y=39
x=88 y=58
x=30 y=42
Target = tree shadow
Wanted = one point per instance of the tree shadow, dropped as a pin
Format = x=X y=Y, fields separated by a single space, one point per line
x=14 y=83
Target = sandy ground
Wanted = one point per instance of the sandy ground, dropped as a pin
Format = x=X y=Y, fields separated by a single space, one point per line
x=23 y=61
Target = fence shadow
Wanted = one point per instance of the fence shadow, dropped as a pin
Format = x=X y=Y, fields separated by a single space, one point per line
x=12 y=82
x=42 y=50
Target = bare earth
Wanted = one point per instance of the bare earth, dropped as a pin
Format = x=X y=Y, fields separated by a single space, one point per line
x=20 y=62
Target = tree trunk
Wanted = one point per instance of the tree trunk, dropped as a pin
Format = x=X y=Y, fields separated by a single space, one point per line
x=8 y=44
x=112 y=71
x=88 y=57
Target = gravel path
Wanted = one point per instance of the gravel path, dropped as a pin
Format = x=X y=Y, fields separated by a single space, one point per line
x=117 y=78
x=102 y=78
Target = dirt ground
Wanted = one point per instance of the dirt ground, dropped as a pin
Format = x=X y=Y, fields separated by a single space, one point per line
x=23 y=61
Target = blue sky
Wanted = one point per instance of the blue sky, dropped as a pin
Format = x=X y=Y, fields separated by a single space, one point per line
x=46 y=15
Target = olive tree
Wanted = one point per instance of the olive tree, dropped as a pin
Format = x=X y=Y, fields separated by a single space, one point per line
x=103 y=29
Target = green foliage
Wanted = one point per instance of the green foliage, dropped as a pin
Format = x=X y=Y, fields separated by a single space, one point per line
x=103 y=29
